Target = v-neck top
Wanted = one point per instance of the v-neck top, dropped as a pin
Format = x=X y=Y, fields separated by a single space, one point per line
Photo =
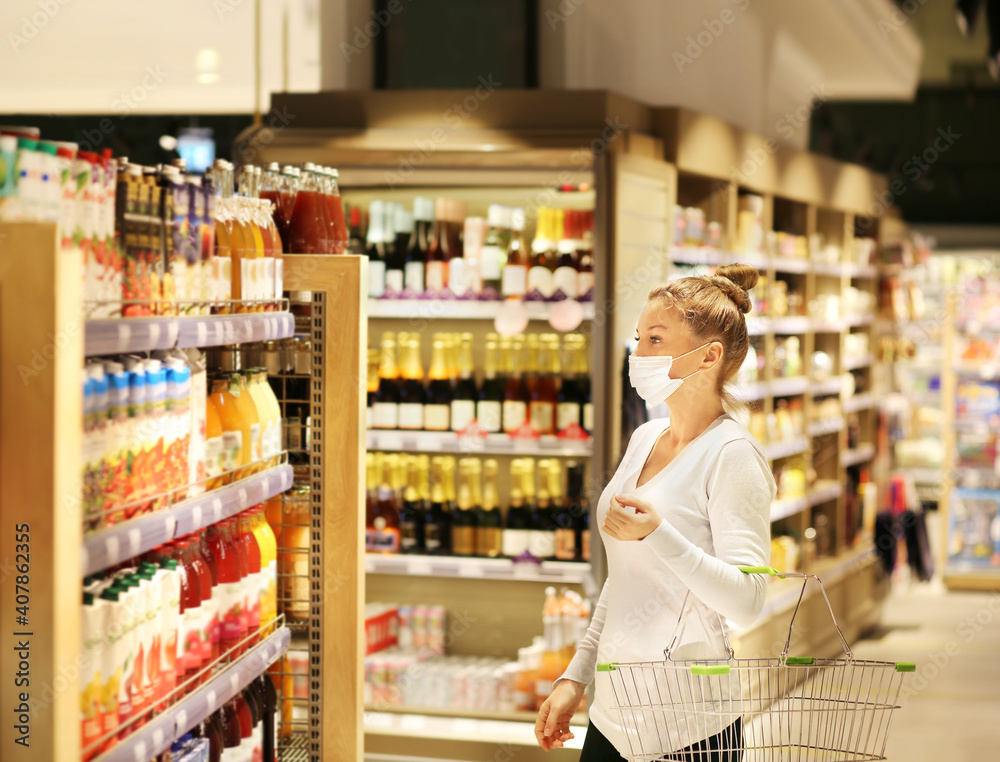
x=714 y=499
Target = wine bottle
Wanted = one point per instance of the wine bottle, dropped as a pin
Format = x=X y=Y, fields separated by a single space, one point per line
x=515 y=532
x=579 y=509
x=457 y=279
x=411 y=516
x=373 y=357
x=415 y=259
x=436 y=270
x=516 y=394
x=489 y=407
x=412 y=394
x=437 y=410
x=463 y=528
x=489 y=529
x=545 y=390
x=542 y=534
x=583 y=375
x=375 y=249
x=585 y=259
x=448 y=467
x=565 y=278
x=436 y=506
x=473 y=236
x=569 y=407
x=515 y=271
x=373 y=466
x=387 y=508
x=463 y=404
x=494 y=252
x=567 y=539
x=540 y=284
x=401 y=230
x=386 y=405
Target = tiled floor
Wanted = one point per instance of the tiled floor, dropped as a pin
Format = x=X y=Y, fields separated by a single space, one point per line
x=950 y=707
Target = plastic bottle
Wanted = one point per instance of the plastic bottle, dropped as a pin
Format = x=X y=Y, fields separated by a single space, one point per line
x=211 y=634
x=191 y=615
x=215 y=474
x=268 y=564
x=254 y=576
x=242 y=596
x=251 y=427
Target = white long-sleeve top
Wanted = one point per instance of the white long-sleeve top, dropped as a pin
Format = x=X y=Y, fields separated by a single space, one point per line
x=715 y=500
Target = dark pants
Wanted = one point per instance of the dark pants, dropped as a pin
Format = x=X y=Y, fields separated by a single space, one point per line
x=726 y=746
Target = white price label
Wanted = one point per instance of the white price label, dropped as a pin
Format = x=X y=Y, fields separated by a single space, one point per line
x=196 y=517
x=243 y=498
x=216 y=510
x=202 y=330
x=154 y=334
x=211 y=701
x=134 y=541
x=139 y=751
x=112 y=549
x=124 y=336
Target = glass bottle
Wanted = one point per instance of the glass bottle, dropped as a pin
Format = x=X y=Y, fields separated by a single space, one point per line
x=463 y=403
x=493 y=254
x=463 y=530
x=436 y=271
x=412 y=394
x=540 y=285
x=411 y=516
x=489 y=527
x=542 y=535
x=489 y=406
x=417 y=251
x=387 y=508
x=516 y=393
x=375 y=249
x=437 y=527
x=386 y=406
x=310 y=221
x=545 y=390
x=515 y=532
x=437 y=410
x=515 y=271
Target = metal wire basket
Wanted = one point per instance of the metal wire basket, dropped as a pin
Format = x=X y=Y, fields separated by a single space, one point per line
x=751 y=710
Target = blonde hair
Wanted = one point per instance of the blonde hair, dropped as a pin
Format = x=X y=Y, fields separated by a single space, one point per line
x=713 y=308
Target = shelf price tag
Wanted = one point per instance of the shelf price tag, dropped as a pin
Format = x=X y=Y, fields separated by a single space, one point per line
x=124 y=336
x=154 y=334
x=139 y=751
x=112 y=549
x=216 y=510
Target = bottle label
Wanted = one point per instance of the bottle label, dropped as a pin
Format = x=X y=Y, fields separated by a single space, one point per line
x=411 y=416
x=457 y=276
x=463 y=541
x=436 y=275
x=232 y=449
x=414 y=273
x=514 y=414
x=386 y=415
x=255 y=442
x=462 y=413
x=542 y=417
x=515 y=542
x=489 y=262
x=267 y=283
x=432 y=537
x=489 y=541
x=489 y=415
x=393 y=281
x=565 y=279
x=408 y=537
x=567 y=413
x=515 y=280
x=565 y=544
x=385 y=540
x=542 y=543
x=540 y=279
x=436 y=417
x=588 y=417
x=376 y=278
x=192 y=628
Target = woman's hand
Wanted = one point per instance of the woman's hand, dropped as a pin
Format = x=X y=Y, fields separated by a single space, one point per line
x=552 y=725
x=630 y=518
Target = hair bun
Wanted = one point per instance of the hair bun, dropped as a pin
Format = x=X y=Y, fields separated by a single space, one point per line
x=736 y=281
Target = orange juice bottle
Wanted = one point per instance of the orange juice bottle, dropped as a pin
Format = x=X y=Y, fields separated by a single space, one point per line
x=252 y=378
x=268 y=566
x=251 y=439
x=222 y=262
x=242 y=256
x=214 y=455
x=235 y=430
x=271 y=400
x=257 y=274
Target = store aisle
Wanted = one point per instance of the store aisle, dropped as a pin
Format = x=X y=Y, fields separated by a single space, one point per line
x=951 y=705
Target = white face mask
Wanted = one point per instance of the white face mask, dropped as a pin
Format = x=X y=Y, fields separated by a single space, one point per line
x=650 y=376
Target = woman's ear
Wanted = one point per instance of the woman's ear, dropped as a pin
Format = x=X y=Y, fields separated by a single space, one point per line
x=713 y=355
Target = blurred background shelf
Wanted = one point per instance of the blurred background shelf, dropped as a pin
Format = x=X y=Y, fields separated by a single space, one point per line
x=492 y=444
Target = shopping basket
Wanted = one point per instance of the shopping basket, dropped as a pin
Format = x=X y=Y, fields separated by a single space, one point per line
x=785 y=708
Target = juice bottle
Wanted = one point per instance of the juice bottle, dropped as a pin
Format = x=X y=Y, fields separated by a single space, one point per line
x=228 y=568
x=270 y=190
x=210 y=604
x=129 y=694
x=242 y=248
x=269 y=403
x=243 y=592
x=232 y=733
x=191 y=616
x=252 y=428
x=245 y=717
x=251 y=378
x=310 y=224
x=338 y=227
x=112 y=661
x=290 y=179
x=235 y=429
x=214 y=453
x=256 y=704
x=170 y=619
x=268 y=564
x=254 y=576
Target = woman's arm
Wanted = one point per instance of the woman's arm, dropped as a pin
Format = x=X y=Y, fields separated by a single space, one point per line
x=581 y=668
x=740 y=490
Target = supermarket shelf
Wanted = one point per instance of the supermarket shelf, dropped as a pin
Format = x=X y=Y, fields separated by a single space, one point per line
x=457 y=309
x=157 y=735
x=752 y=392
x=862 y=401
x=833 y=269
x=854 y=363
x=580 y=718
x=827 y=387
x=492 y=444
x=776 y=450
x=828 y=326
x=123 y=335
x=784 y=387
x=782 y=509
x=791 y=265
x=859 y=454
x=758 y=326
x=791 y=325
x=754 y=260
x=691 y=255
x=113 y=544
x=861 y=271
x=825 y=426
x=855 y=321
x=478 y=568
x=825 y=490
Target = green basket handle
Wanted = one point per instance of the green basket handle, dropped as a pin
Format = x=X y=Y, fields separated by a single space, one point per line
x=761 y=570
x=607 y=666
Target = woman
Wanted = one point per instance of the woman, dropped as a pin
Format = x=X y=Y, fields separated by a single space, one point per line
x=689 y=503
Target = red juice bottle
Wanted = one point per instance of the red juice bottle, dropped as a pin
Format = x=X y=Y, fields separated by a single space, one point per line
x=339 y=233
x=205 y=581
x=212 y=624
x=246 y=724
x=215 y=733
x=191 y=616
x=255 y=577
x=231 y=730
x=257 y=710
x=228 y=567
x=242 y=597
x=310 y=223
x=269 y=705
